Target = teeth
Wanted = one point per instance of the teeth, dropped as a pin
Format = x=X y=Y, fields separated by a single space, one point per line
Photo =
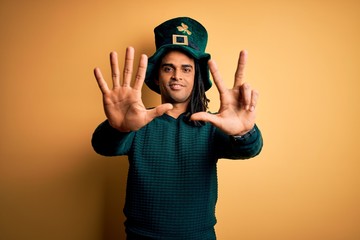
x=175 y=86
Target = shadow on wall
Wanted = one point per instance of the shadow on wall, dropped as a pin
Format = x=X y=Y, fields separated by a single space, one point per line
x=114 y=185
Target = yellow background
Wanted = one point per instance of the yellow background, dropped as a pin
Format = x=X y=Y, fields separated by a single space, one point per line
x=303 y=59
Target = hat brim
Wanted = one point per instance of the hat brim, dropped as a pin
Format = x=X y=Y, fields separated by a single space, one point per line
x=202 y=57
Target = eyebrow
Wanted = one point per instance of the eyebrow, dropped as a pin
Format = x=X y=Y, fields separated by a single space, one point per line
x=172 y=65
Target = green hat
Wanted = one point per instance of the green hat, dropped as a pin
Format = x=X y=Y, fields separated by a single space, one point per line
x=184 y=34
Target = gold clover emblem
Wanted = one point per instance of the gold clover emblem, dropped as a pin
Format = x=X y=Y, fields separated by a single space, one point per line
x=184 y=28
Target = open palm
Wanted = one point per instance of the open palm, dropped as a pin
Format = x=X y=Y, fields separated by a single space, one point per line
x=236 y=115
x=123 y=105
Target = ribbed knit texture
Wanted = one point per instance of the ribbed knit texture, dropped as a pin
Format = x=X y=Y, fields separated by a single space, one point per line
x=172 y=181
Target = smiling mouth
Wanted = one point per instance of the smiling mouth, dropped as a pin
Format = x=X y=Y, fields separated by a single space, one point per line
x=175 y=86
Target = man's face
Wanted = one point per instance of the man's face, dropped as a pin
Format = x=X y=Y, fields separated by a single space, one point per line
x=176 y=77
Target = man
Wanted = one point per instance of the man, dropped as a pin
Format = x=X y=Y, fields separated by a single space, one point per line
x=173 y=148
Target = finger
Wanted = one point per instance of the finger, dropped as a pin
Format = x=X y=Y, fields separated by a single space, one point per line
x=254 y=99
x=100 y=80
x=217 y=77
x=128 y=68
x=141 y=73
x=245 y=90
x=240 y=70
x=159 y=110
x=206 y=117
x=115 y=69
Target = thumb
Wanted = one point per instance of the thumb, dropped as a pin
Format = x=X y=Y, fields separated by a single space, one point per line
x=160 y=110
x=204 y=116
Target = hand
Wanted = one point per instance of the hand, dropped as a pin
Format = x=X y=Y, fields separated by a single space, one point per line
x=123 y=105
x=236 y=115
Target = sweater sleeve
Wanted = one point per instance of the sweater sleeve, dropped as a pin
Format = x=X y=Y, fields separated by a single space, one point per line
x=108 y=141
x=244 y=148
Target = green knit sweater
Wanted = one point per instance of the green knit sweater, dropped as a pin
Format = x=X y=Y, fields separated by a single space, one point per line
x=172 y=180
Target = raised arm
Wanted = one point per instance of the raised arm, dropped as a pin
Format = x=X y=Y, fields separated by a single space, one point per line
x=123 y=105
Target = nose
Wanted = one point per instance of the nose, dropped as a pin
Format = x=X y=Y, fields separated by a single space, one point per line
x=176 y=75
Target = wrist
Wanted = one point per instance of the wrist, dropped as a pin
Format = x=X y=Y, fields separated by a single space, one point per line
x=244 y=132
x=118 y=127
x=244 y=135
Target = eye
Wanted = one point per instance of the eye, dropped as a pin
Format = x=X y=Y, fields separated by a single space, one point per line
x=167 y=69
x=187 y=69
